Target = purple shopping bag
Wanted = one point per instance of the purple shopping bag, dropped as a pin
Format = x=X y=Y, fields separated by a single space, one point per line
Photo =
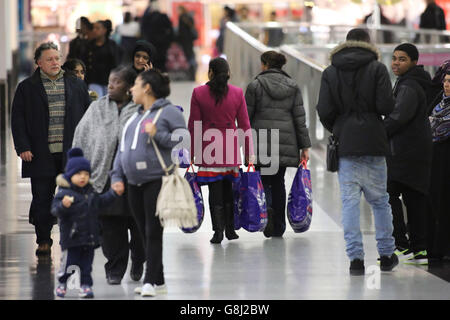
x=252 y=201
x=299 y=208
x=191 y=177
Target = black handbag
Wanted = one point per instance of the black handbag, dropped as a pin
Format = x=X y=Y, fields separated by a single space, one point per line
x=332 y=156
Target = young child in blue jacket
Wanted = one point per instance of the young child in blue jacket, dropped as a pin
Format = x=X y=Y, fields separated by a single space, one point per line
x=76 y=205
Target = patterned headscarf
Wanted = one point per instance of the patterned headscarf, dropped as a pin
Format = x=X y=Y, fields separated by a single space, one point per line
x=440 y=73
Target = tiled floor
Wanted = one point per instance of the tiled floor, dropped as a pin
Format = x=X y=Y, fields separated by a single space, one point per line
x=312 y=265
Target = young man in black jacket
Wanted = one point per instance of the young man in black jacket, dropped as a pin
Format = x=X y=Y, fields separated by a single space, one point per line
x=409 y=164
x=45 y=112
x=355 y=93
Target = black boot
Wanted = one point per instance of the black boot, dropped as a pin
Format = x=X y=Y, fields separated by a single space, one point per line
x=268 y=230
x=218 y=224
x=230 y=233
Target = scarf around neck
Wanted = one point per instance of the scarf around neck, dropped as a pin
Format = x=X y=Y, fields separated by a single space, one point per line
x=440 y=120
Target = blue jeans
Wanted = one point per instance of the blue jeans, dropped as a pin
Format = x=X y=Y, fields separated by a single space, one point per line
x=366 y=174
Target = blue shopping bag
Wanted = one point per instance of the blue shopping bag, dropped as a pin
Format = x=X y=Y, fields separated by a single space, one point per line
x=252 y=201
x=191 y=177
x=299 y=208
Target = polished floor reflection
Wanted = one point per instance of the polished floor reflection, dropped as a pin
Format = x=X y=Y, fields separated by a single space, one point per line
x=311 y=265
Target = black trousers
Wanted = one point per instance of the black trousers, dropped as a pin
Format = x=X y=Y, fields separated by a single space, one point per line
x=220 y=193
x=142 y=200
x=439 y=202
x=116 y=247
x=275 y=190
x=81 y=257
x=221 y=205
x=43 y=191
x=416 y=209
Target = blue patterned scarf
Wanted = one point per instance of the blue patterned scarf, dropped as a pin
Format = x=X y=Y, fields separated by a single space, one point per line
x=440 y=120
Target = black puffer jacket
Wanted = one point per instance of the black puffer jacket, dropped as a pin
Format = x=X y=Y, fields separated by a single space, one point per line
x=355 y=92
x=409 y=131
x=274 y=101
x=79 y=224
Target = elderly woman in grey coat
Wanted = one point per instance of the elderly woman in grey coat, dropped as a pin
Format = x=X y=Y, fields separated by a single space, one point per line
x=274 y=101
x=98 y=133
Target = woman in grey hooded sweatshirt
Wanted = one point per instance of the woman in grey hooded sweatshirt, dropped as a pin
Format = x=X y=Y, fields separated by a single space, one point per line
x=98 y=133
x=274 y=101
x=137 y=161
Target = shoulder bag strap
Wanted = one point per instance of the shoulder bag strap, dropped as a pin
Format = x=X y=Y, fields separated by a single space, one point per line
x=155 y=146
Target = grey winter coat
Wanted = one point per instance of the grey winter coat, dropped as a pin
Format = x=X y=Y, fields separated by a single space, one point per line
x=274 y=101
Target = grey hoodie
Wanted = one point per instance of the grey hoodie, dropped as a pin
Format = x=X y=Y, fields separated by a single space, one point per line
x=136 y=158
x=274 y=101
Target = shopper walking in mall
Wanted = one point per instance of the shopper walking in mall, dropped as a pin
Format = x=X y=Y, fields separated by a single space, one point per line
x=157 y=29
x=101 y=56
x=78 y=45
x=45 y=112
x=137 y=162
x=439 y=222
x=99 y=133
x=274 y=101
x=186 y=36
x=355 y=93
x=217 y=105
x=127 y=34
x=409 y=162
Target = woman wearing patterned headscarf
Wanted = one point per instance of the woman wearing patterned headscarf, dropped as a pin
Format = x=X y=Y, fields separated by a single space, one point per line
x=439 y=224
x=435 y=92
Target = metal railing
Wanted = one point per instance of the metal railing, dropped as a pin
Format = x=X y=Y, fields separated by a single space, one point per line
x=321 y=34
x=306 y=60
x=244 y=51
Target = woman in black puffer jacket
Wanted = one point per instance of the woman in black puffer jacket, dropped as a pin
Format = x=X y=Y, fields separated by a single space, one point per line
x=274 y=101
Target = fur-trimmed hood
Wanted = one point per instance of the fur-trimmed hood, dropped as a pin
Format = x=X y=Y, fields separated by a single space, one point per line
x=62 y=182
x=352 y=55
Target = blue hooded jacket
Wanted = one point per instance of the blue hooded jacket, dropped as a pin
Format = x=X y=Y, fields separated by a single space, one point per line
x=79 y=224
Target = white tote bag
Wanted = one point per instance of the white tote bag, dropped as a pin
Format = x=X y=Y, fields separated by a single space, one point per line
x=175 y=204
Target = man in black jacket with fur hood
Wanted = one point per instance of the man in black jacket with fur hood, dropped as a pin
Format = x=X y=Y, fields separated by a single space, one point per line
x=355 y=93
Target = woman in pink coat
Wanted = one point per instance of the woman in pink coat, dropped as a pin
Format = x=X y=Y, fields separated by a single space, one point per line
x=216 y=142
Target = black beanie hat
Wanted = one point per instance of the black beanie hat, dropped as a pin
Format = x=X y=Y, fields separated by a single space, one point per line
x=76 y=163
x=410 y=49
x=142 y=45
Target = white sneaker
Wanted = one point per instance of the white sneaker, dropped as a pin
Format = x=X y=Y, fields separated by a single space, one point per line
x=162 y=289
x=148 y=290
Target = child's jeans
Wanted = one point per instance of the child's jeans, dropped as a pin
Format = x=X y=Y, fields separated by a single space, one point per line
x=79 y=260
